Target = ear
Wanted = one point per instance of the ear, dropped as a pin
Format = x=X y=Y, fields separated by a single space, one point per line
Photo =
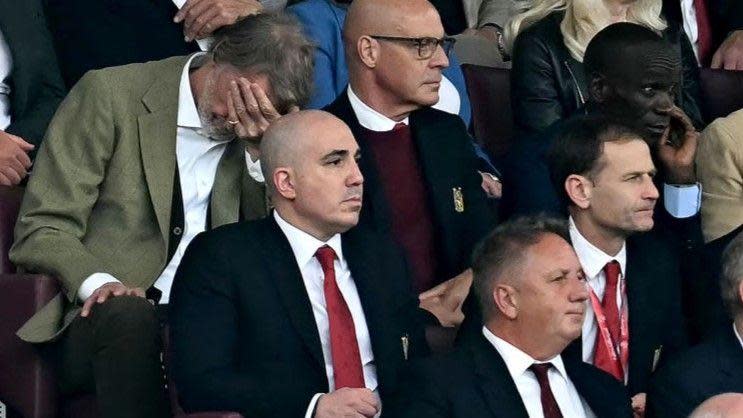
x=740 y=292
x=506 y=300
x=283 y=181
x=598 y=88
x=368 y=50
x=579 y=189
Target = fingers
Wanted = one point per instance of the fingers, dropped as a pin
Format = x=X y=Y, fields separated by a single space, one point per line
x=26 y=146
x=251 y=104
x=108 y=291
x=10 y=177
x=137 y=291
x=437 y=290
x=294 y=109
x=5 y=181
x=183 y=12
x=204 y=24
x=264 y=103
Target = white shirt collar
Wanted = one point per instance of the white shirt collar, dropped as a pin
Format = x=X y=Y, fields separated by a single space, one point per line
x=370 y=118
x=516 y=360
x=188 y=116
x=592 y=259
x=305 y=245
x=735 y=330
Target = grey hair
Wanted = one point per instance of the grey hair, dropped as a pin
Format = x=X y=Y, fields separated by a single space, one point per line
x=504 y=249
x=272 y=44
x=732 y=275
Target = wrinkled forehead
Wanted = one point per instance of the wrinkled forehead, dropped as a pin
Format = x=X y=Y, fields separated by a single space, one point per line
x=647 y=64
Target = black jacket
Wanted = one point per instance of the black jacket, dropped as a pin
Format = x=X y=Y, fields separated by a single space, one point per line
x=474 y=382
x=548 y=84
x=243 y=333
x=709 y=369
x=35 y=82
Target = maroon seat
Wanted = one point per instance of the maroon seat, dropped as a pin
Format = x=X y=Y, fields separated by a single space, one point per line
x=722 y=92
x=27 y=384
x=489 y=90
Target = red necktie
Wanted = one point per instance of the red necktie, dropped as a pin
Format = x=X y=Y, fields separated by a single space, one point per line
x=344 y=348
x=603 y=359
x=704 y=32
x=549 y=404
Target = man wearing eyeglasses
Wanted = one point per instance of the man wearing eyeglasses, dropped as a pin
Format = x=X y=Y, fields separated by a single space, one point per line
x=420 y=169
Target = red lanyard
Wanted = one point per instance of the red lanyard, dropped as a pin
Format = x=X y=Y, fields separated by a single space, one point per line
x=620 y=353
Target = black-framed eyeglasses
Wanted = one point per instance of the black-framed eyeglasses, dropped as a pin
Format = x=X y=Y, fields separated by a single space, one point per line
x=426 y=45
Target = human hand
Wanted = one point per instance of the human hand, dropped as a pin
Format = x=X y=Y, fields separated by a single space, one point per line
x=677 y=156
x=638 y=405
x=445 y=300
x=14 y=159
x=107 y=291
x=250 y=110
x=486 y=32
x=491 y=185
x=348 y=402
x=202 y=17
x=730 y=53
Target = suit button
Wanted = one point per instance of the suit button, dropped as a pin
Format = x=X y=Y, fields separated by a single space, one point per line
x=177 y=230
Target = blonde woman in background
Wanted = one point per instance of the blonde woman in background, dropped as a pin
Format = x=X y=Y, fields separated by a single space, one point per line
x=547 y=39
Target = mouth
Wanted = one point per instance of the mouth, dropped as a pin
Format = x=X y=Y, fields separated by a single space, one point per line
x=353 y=199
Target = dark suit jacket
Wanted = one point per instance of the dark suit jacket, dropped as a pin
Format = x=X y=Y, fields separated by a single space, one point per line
x=654 y=304
x=725 y=16
x=244 y=336
x=36 y=86
x=473 y=382
x=711 y=368
x=448 y=161
x=93 y=34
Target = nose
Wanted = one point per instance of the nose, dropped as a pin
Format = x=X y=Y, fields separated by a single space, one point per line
x=579 y=291
x=439 y=58
x=650 y=192
x=664 y=102
x=355 y=178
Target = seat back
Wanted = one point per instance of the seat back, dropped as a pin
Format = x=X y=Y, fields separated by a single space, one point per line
x=721 y=91
x=10 y=202
x=489 y=90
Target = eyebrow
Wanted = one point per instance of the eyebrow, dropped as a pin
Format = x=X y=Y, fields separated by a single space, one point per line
x=652 y=173
x=335 y=153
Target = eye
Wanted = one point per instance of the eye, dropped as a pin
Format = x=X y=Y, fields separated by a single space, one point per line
x=648 y=91
x=334 y=161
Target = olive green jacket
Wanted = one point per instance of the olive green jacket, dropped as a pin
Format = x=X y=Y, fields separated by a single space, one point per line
x=99 y=198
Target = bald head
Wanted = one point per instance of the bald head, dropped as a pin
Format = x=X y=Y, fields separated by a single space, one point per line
x=289 y=138
x=383 y=17
x=726 y=405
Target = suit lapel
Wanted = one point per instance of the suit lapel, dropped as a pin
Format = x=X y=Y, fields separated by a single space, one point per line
x=157 y=138
x=377 y=303
x=595 y=394
x=288 y=279
x=495 y=382
x=730 y=359
x=640 y=274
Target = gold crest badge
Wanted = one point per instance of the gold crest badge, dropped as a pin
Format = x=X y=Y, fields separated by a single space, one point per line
x=458 y=199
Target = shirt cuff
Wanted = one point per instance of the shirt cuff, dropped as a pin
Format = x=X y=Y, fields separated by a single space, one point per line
x=682 y=200
x=311 y=409
x=92 y=283
x=254 y=168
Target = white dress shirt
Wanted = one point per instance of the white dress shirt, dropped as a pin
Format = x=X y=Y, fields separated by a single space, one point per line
x=6 y=67
x=197 y=157
x=689 y=21
x=517 y=362
x=592 y=261
x=737 y=334
x=304 y=247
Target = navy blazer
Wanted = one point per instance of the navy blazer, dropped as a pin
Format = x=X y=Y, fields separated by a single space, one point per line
x=474 y=382
x=35 y=82
x=243 y=333
x=709 y=369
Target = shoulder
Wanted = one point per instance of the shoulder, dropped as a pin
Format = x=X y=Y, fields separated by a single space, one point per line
x=545 y=32
x=318 y=16
x=725 y=130
x=429 y=116
x=130 y=78
x=231 y=239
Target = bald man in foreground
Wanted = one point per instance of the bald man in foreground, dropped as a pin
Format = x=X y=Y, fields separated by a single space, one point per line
x=726 y=405
x=421 y=174
x=297 y=314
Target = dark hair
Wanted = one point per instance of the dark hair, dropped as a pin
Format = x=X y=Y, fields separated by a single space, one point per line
x=617 y=43
x=579 y=146
x=504 y=248
x=275 y=45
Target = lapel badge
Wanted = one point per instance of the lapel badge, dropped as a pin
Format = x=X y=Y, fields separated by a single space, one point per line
x=405 y=346
x=458 y=199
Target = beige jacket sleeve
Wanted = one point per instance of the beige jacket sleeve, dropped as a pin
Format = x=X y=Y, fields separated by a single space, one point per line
x=719 y=166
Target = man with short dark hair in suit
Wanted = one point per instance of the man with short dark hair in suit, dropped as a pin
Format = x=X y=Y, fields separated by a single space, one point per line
x=604 y=173
x=421 y=171
x=532 y=294
x=714 y=366
x=298 y=314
